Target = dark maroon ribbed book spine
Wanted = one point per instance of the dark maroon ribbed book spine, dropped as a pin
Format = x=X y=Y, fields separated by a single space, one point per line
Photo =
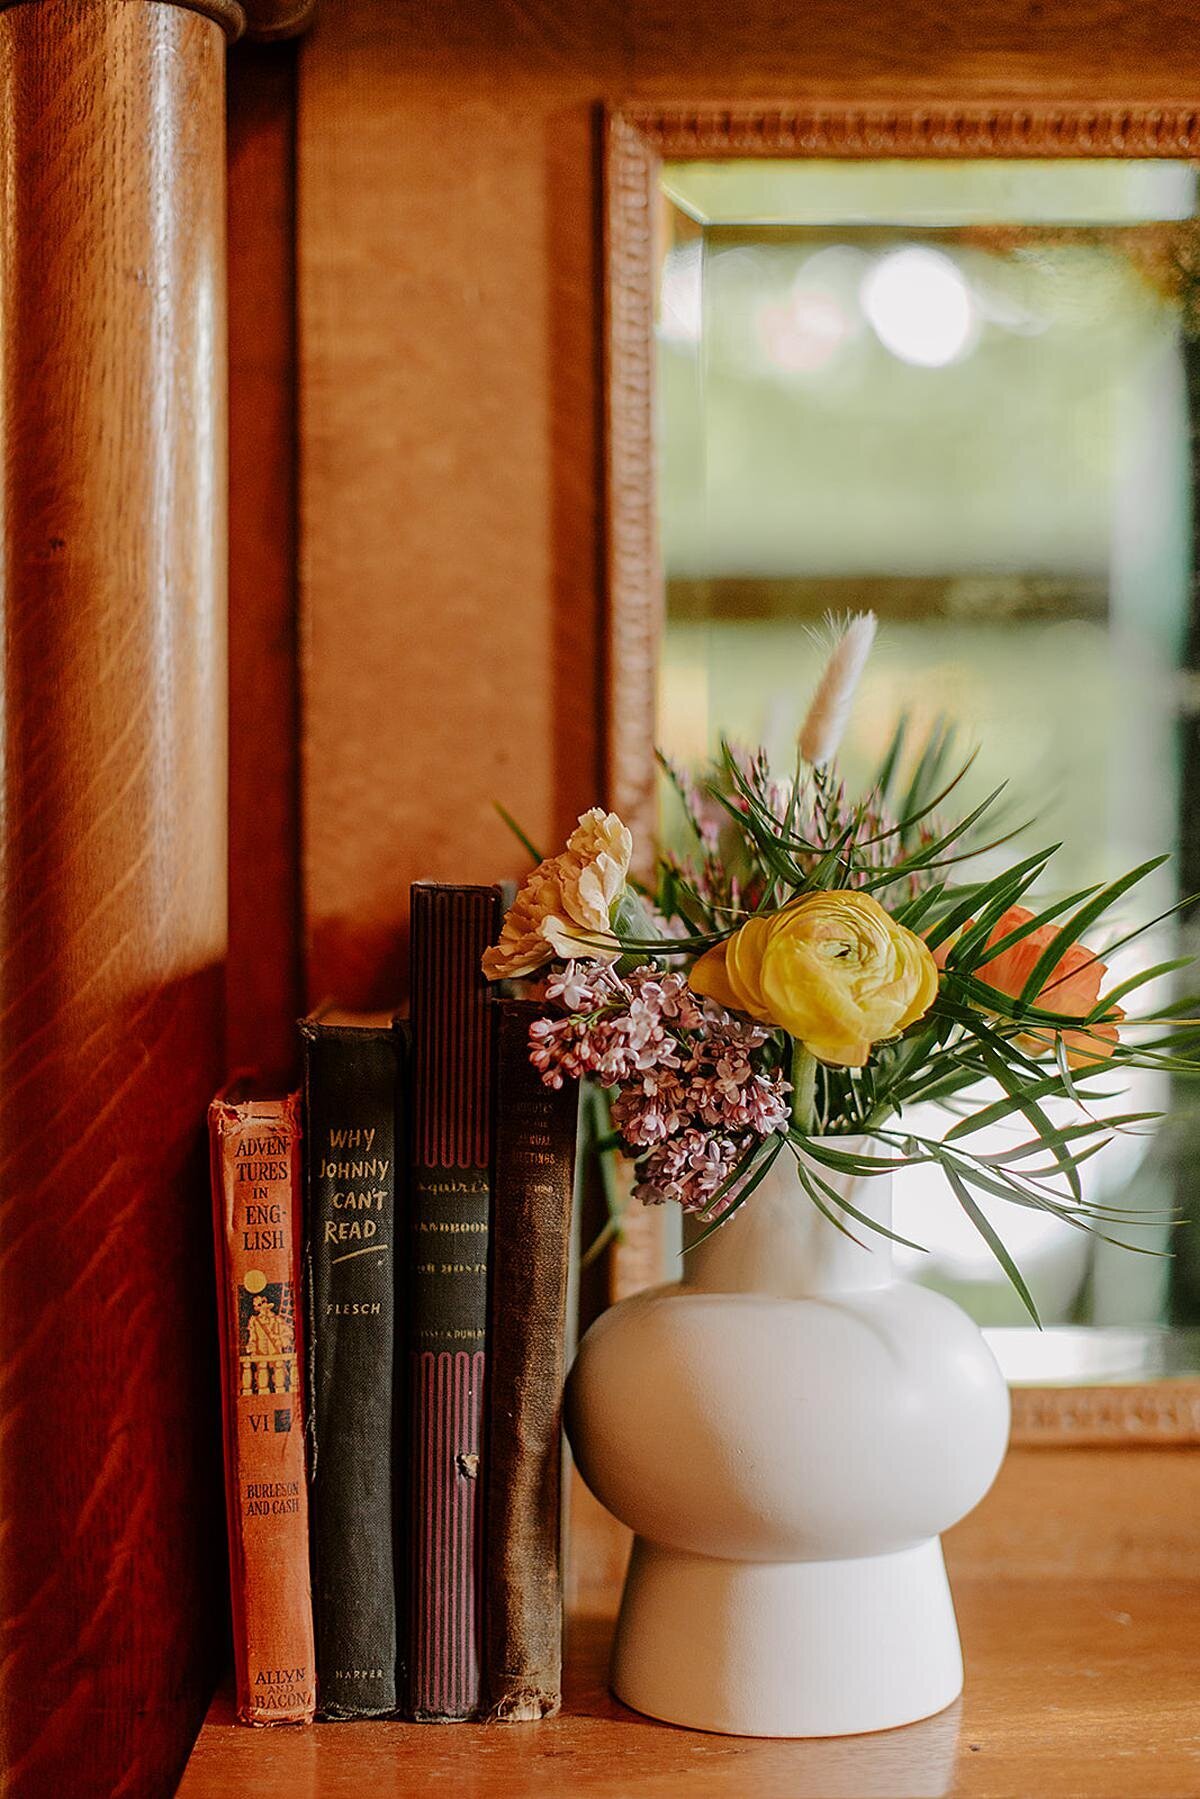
x=452 y=1059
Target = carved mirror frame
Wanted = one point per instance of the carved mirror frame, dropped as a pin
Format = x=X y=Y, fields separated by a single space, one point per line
x=638 y=140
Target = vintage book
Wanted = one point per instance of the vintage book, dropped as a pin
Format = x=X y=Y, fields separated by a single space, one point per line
x=533 y=1169
x=352 y=1087
x=452 y=1030
x=255 y=1144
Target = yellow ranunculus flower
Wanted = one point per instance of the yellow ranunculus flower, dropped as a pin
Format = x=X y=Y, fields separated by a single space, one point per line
x=834 y=970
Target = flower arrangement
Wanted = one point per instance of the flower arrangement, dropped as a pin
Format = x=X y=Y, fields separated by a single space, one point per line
x=815 y=966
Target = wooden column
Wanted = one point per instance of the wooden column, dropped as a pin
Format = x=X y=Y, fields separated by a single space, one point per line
x=112 y=928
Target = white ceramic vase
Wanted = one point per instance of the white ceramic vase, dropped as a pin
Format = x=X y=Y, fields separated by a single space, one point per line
x=786 y=1432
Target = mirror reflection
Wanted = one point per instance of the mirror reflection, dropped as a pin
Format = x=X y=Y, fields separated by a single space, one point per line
x=959 y=394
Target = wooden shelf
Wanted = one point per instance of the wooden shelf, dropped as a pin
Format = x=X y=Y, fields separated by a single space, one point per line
x=1073 y=1687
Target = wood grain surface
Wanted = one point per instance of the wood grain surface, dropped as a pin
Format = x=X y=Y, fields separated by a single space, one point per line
x=112 y=923
x=452 y=386
x=1075 y=1686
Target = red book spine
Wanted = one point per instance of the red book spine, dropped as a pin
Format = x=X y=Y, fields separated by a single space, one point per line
x=452 y=1032
x=255 y=1146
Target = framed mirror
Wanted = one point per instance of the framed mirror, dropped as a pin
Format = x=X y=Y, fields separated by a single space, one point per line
x=945 y=366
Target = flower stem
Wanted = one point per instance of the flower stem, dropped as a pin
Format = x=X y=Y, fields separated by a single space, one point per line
x=804 y=1085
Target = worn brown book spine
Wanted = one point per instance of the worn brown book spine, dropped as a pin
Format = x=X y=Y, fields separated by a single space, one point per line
x=452 y=1047
x=532 y=1183
x=255 y=1146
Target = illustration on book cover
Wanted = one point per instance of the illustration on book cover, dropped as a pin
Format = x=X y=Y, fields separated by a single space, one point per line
x=267 y=1332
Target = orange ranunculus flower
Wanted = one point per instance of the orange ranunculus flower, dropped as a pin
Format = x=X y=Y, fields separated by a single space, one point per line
x=1072 y=987
x=834 y=970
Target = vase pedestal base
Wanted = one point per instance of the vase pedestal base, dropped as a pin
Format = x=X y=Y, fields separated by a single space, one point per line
x=787 y=1649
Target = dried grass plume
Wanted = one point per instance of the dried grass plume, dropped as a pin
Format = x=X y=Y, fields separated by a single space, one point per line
x=829 y=712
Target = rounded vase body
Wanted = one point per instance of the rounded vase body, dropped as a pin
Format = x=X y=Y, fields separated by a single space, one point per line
x=787 y=1432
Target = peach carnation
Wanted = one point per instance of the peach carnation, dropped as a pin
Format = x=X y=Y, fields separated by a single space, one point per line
x=565 y=908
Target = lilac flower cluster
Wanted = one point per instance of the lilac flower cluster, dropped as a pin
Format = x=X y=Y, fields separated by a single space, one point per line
x=692 y=1092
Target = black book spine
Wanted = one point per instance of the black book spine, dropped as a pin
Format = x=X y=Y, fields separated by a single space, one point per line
x=351 y=1228
x=452 y=1029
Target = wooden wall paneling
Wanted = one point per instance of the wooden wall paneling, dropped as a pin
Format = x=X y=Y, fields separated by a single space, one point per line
x=450 y=426
x=1085 y=1512
x=902 y=53
x=264 y=975
x=112 y=898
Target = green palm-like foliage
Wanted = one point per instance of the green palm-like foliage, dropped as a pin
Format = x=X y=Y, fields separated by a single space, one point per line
x=776 y=843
